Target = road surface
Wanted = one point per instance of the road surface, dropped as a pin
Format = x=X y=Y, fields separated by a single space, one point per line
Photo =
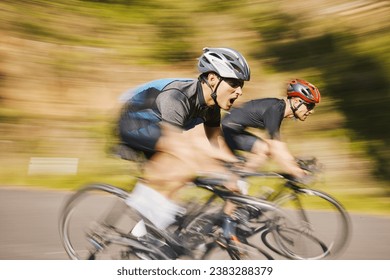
x=29 y=228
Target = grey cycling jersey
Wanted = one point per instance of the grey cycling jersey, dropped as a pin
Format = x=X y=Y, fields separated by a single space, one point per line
x=179 y=102
x=266 y=113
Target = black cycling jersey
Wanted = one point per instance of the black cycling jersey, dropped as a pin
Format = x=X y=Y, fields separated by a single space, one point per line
x=266 y=113
x=179 y=102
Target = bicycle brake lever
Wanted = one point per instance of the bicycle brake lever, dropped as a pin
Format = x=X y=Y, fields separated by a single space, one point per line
x=309 y=164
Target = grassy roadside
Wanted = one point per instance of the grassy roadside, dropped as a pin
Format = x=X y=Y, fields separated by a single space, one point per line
x=354 y=201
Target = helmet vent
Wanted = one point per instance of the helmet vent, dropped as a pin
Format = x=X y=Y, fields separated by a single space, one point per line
x=228 y=57
x=215 y=55
x=236 y=68
x=205 y=59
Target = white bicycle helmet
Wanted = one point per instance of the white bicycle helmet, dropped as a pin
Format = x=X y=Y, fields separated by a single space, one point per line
x=226 y=62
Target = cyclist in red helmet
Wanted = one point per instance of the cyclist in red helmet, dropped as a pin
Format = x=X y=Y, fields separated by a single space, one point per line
x=267 y=114
x=309 y=95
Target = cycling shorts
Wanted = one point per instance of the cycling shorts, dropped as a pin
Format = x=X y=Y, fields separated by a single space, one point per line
x=140 y=130
x=239 y=140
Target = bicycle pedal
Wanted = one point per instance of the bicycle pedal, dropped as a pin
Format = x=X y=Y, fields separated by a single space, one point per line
x=96 y=244
x=225 y=243
x=152 y=242
x=222 y=243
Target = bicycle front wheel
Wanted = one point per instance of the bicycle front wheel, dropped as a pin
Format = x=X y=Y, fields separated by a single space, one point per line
x=95 y=224
x=318 y=226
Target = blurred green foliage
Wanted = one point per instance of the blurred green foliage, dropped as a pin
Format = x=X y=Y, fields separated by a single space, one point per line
x=357 y=79
x=172 y=34
x=135 y=29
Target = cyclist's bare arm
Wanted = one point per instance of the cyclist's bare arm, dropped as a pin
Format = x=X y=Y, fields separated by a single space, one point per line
x=212 y=133
x=181 y=156
x=216 y=139
x=279 y=152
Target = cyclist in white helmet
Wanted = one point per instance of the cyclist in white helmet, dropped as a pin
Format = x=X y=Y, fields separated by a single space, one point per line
x=156 y=119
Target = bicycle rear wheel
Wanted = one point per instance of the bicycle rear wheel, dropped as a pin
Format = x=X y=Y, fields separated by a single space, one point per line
x=318 y=226
x=95 y=224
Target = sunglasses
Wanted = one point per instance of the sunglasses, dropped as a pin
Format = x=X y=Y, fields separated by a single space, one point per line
x=234 y=83
x=310 y=106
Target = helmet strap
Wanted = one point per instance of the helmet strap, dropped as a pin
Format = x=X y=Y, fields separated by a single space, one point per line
x=294 y=109
x=213 y=92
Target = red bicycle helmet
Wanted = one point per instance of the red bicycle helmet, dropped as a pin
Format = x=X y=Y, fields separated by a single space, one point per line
x=304 y=90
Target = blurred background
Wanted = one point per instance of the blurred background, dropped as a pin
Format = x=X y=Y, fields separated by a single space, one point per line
x=65 y=63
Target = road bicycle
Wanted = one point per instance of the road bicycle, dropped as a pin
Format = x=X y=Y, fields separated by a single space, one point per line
x=315 y=225
x=97 y=223
x=101 y=228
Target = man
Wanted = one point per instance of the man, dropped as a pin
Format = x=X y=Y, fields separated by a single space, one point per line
x=157 y=118
x=268 y=114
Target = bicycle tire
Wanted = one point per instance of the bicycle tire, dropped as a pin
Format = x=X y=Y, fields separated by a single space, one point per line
x=95 y=224
x=281 y=240
x=316 y=217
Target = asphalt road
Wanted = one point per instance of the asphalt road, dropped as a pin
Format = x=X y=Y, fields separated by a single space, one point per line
x=29 y=228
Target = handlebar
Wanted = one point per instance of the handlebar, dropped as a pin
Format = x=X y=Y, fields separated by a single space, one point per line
x=310 y=165
x=217 y=184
